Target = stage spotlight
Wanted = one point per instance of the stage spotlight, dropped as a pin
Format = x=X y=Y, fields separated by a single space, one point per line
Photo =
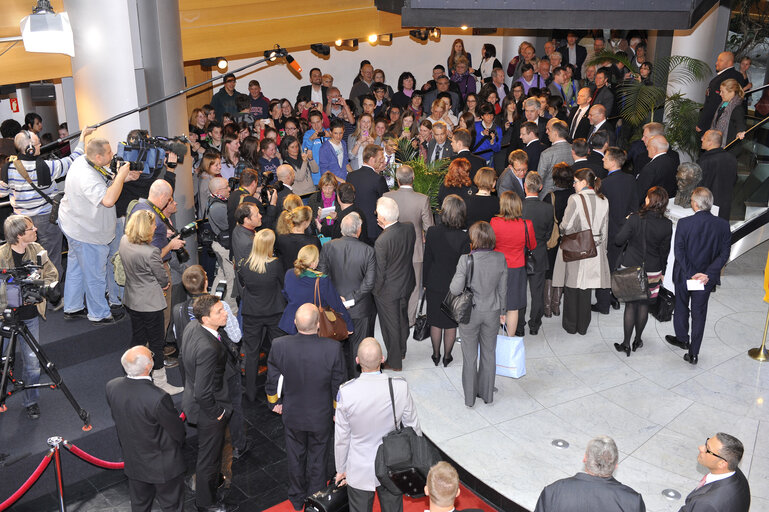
x=321 y=49
x=373 y=38
x=385 y=38
x=270 y=55
x=219 y=62
x=338 y=42
x=435 y=33
x=347 y=43
x=420 y=33
x=463 y=27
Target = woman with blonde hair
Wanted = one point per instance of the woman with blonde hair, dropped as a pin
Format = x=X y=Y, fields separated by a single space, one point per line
x=729 y=118
x=359 y=139
x=210 y=167
x=262 y=302
x=145 y=288
x=288 y=245
x=438 y=115
x=289 y=203
x=299 y=288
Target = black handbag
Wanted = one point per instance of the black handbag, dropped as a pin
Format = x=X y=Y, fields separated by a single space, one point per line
x=531 y=263
x=579 y=245
x=662 y=309
x=330 y=499
x=631 y=283
x=421 y=327
x=404 y=458
x=459 y=307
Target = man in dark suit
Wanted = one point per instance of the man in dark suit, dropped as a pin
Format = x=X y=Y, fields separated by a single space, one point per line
x=725 y=487
x=541 y=216
x=532 y=110
x=580 y=150
x=439 y=146
x=574 y=54
x=603 y=94
x=619 y=189
x=724 y=70
x=719 y=172
x=461 y=143
x=395 y=280
x=599 y=143
x=352 y=267
x=595 y=489
x=369 y=186
x=597 y=116
x=579 y=124
x=286 y=175
x=345 y=196
x=442 y=84
x=315 y=91
x=702 y=246
x=659 y=172
x=532 y=146
x=206 y=400
x=639 y=151
x=150 y=433
x=512 y=178
x=312 y=369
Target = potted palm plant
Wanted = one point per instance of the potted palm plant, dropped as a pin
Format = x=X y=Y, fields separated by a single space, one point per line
x=427 y=176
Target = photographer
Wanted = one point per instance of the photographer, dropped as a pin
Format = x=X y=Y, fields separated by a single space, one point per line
x=252 y=191
x=21 y=248
x=216 y=212
x=27 y=178
x=87 y=218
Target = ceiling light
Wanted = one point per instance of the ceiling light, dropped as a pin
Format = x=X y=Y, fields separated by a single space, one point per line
x=338 y=42
x=270 y=55
x=47 y=32
x=463 y=27
x=373 y=38
x=385 y=38
x=435 y=33
x=347 y=43
x=321 y=49
x=219 y=62
x=421 y=33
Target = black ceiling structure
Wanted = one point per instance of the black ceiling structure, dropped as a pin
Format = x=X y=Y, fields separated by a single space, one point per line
x=551 y=14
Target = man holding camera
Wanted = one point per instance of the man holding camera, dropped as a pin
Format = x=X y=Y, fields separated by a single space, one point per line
x=87 y=218
x=21 y=248
x=250 y=191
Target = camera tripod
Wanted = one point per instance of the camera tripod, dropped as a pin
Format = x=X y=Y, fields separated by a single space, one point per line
x=12 y=329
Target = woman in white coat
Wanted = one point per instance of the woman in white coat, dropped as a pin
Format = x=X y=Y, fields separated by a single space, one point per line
x=580 y=277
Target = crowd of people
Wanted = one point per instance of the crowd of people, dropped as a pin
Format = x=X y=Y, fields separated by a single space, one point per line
x=307 y=208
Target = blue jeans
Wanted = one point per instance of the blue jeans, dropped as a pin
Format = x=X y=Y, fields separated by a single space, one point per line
x=86 y=276
x=31 y=373
x=113 y=289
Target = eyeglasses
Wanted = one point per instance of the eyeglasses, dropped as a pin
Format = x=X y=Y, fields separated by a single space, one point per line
x=707 y=450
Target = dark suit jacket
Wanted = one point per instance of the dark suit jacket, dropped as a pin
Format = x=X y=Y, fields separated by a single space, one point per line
x=352 y=267
x=583 y=128
x=533 y=150
x=619 y=189
x=262 y=293
x=608 y=127
x=658 y=230
x=661 y=172
x=604 y=97
x=642 y=158
x=312 y=369
x=731 y=494
x=719 y=174
x=587 y=493
x=448 y=152
x=306 y=92
x=149 y=429
x=476 y=162
x=702 y=244
x=595 y=162
x=713 y=98
x=336 y=228
x=581 y=56
x=541 y=216
x=394 y=255
x=369 y=187
x=205 y=388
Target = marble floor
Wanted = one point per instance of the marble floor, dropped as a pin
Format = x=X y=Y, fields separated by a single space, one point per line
x=657 y=407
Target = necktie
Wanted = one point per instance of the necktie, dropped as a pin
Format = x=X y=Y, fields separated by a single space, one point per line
x=575 y=122
x=702 y=482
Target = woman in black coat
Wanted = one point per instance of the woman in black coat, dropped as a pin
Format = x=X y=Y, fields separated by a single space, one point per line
x=288 y=245
x=563 y=181
x=647 y=235
x=444 y=243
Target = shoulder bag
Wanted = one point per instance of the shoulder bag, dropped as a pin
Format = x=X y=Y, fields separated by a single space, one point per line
x=421 y=327
x=580 y=245
x=459 y=307
x=531 y=264
x=331 y=323
x=555 y=234
x=54 y=201
x=631 y=283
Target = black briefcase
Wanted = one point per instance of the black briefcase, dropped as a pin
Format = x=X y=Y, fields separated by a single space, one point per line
x=330 y=499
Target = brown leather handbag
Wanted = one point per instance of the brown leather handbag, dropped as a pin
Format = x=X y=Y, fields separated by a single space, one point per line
x=331 y=324
x=579 y=245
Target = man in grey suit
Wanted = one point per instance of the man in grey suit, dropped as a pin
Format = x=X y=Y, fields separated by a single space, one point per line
x=559 y=151
x=414 y=208
x=352 y=267
x=439 y=147
x=363 y=416
x=394 y=250
x=512 y=178
x=595 y=489
x=442 y=84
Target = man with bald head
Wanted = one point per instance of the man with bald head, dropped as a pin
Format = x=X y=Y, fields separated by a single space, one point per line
x=150 y=433
x=724 y=70
x=286 y=175
x=363 y=416
x=312 y=369
x=719 y=171
x=660 y=171
x=597 y=117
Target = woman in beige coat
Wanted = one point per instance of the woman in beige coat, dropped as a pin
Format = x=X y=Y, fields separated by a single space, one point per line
x=580 y=277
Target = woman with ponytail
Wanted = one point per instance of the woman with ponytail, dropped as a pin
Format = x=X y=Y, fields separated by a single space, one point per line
x=288 y=245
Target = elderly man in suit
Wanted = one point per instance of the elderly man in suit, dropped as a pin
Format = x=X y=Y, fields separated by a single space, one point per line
x=579 y=124
x=206 y=400
x=352 y=267
x=150 y=433
x=512 y=178
x=719 y=172
x=439 y=147
x=598 y=122
x=532 y=110
x=363 y=416
x=559 y=151
x=724 y=70
x=659 y=172
x=639 y=150
x=313 y=369
x=394 y=250
x=414 y=208
x=724 y=487
x=369 y=186
x=595 y=488
x=701 y=246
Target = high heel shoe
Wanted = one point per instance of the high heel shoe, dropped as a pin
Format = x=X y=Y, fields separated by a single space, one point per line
x=447 y=360
x=436 y=358
x=622 y=347
x=638 y=343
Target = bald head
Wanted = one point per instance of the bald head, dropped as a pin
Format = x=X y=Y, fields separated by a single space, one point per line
x=217 y=184
x=725 y=60
x=711 y=139
x=369 y=355
x=306 y=319
x=137 y=361
x=285 y=173
x=160 y=193
x=658 y=144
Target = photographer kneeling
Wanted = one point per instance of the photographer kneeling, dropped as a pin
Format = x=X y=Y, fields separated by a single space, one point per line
x=21 y=248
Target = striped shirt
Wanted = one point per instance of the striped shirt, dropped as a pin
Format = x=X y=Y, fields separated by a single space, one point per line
x=24 y=199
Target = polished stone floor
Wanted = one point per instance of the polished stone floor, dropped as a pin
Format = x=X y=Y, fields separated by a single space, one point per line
x=657 y=407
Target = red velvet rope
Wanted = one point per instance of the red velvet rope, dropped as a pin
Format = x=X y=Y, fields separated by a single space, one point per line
x=90 y=458
x=29 y=483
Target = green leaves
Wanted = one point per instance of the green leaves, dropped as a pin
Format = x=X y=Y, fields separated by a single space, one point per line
x=427 y=177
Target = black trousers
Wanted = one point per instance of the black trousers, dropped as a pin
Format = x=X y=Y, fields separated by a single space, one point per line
x=255 y=329
x=147 y=327
x=170 y=495
x=698 y=311
x=363 y=501
x=236 y=424
x=576 y=310
x=210 y=444
x=603 y=295
x=394 y=321
x=537 y=288
x=364 y=328
x=307 y=458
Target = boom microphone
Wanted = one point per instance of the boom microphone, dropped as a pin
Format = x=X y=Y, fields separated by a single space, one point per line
x=294 y=64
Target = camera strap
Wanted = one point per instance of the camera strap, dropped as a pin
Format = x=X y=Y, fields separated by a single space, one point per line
x=101 y=170
x=24 y=174
x=162 y=216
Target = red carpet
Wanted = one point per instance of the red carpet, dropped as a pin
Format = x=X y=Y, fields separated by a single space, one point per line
x=467 y=499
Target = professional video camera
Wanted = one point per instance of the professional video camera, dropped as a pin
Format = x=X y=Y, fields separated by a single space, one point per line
x=187 y=231
x=24 y=286
x=148 y=154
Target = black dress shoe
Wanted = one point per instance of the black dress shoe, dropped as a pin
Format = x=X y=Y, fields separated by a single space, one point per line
x=534 y=331
x=447 y=360
x=520 y=333
x=594 y=307
x=638 y=343
x=678 y=343
x=622 y=347
x=436 y=359
x=691 y=359
x=614 y=303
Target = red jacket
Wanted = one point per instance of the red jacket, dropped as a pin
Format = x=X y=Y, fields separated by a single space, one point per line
x=511 y=239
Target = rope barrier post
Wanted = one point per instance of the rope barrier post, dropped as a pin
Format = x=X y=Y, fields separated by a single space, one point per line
x=55 y=444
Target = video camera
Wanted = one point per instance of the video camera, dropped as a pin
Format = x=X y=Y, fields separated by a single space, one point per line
x=25 y=286
x=148 y=154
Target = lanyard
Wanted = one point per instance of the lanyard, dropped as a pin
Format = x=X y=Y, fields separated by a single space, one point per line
x=162 y=216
